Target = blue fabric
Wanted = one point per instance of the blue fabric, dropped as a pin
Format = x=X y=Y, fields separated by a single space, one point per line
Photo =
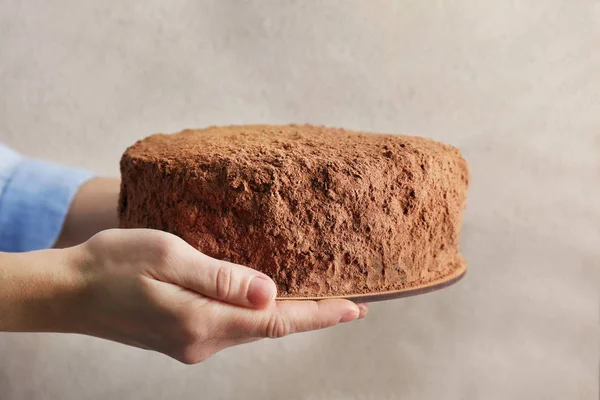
x=34 y=200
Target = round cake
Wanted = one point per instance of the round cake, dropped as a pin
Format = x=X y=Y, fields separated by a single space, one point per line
x=323 y=211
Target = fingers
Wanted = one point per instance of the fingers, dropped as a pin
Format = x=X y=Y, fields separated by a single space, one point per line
x=288 y=317
x=202 y=327
x=225 y=281
x=298 y=310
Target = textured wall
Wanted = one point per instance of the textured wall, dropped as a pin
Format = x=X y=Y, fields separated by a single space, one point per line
x=515 y=85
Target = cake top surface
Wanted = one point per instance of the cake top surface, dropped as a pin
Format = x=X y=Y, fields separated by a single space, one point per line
x=275 y=143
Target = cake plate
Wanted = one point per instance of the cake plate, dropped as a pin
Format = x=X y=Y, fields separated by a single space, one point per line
x=394 y=294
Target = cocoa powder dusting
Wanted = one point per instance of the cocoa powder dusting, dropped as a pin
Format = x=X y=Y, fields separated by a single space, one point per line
x=322 y=211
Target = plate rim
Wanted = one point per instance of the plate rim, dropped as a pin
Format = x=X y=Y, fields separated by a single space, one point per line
x=433 y=286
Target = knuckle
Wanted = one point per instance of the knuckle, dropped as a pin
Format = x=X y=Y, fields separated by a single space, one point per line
x=193 y=355
x=224 y=282
x=101 y=240
x=278 y=327
x=162 y=247
x=191 y=347
x=106 y=235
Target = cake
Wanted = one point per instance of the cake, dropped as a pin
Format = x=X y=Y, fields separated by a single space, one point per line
x=322 y=211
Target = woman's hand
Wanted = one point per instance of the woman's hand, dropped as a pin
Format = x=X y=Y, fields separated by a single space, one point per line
x=152 y=290
x=147 y=288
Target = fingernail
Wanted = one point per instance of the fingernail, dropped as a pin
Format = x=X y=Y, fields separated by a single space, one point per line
x=364 y=310
x=350 y=315
x=260 y=291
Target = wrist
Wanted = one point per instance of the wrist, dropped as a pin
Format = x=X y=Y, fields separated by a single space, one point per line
x=38 y=290
x=93 y=209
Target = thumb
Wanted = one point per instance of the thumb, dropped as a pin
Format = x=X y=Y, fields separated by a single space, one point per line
x=225 y=281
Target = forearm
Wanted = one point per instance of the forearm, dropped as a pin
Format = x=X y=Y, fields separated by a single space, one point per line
x=93 y=209
x=35 y=291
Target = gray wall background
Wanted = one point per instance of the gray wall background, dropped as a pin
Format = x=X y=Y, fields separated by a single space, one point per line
x=515 y=85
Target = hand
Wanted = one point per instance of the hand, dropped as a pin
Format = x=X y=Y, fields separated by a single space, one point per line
x=152 y=290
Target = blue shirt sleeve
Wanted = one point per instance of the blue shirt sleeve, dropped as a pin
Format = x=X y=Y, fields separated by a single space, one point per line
x=34 y=200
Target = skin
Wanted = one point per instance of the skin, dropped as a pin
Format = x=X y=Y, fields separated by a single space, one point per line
x=147 y=288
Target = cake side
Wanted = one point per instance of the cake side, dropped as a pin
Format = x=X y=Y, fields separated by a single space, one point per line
x=322 y=211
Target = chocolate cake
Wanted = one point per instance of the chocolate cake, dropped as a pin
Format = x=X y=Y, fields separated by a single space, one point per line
x=323 y=211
